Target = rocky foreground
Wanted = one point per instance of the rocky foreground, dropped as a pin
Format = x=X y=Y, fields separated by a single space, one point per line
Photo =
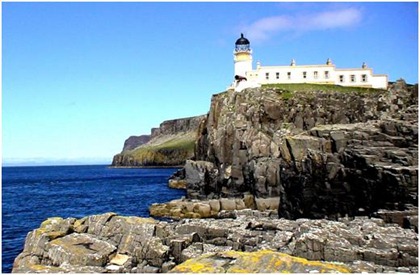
x=249 y=241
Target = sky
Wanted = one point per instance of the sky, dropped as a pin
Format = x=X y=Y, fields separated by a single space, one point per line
x=79 y=78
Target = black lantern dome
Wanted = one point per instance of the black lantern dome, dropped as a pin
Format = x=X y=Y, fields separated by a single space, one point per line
x=242 y=44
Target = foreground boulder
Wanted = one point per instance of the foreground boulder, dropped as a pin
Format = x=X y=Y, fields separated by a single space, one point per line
x=263 y=261
x=112 y=243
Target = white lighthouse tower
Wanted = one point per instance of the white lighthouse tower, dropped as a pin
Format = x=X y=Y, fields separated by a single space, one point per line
x=242 y=57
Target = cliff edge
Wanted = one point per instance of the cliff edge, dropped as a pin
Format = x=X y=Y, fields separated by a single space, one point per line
x=169 y=145
x=135 y=141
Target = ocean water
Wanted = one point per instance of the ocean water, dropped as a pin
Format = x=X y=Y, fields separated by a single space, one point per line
x=30 y=195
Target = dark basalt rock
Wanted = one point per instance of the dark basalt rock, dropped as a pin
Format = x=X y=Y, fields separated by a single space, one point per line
x=368 y=171
x=324 y=153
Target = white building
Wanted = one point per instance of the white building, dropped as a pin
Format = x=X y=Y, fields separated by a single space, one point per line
x=327 y=73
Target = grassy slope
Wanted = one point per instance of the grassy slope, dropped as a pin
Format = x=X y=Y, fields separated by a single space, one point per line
x=165 y=150
x=287 y=90
x=319 y=87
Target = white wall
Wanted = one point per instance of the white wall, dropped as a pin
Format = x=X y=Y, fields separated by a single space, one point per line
x=362 y=77
x=242 y=67
x=380 y=81
x=296 y=74
x=242 y=62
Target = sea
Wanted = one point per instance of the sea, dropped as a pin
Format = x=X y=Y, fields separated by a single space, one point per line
x=30 y=195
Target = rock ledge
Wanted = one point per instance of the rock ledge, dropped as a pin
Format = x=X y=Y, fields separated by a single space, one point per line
x=111 y=243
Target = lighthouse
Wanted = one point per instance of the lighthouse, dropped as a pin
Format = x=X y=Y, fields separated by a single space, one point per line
x=242 y=57
x=327 y=73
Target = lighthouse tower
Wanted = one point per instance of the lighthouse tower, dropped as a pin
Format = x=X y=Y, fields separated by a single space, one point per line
x=242 y=57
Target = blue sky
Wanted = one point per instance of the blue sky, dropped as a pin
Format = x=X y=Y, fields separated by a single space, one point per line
x=79 y=78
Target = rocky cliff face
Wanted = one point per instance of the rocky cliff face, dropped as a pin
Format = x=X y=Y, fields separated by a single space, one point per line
x=169 y=145
x=135 y=141
x=323 y=152
x=247 y=243
x=174 y=126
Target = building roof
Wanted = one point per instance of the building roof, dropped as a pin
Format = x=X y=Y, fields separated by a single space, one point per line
x=242 y=40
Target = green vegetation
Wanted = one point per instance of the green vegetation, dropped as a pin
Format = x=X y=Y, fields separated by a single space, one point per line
x=170 y=152
x=175 y=144
x=307 y=87
x=286 y=94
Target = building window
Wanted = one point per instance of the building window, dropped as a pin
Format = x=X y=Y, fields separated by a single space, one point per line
x=352 y=78
x=267 y=76
x=364 y=78
x=304 y=74
x=327 y=74
x=341 y=78
x=289 y=75
x=316 y=74
x=277 y=75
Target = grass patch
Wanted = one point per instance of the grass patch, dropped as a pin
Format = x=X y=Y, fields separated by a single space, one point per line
x=172 y=152
x=307 y=87
x=286 y=94
x=176 y=143
x=162 y=151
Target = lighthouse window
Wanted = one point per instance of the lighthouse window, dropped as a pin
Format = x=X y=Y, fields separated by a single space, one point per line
x=267 y=75
x=316 y=74
x=327 y=74
x=364 y=78
x=289 y=75
x=277 y=75
x=352 y=78
x=341 y=78
x=304 y=74
x=242 y=48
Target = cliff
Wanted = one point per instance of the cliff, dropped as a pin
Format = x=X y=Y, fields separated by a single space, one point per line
x=135 y=141
x=169 y=145
x=321 y=150
x=250 y=242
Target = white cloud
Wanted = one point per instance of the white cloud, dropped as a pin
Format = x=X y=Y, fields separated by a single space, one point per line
x=264 y=28
x=261 y=29
x=335 y=19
